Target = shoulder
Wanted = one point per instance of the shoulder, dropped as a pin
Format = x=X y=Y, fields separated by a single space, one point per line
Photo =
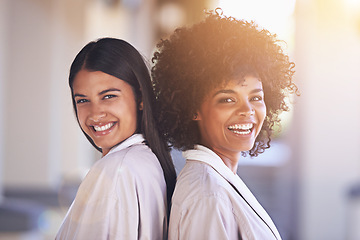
x=131 y=158
x=199 y=182
x=200 y=197
x=124 y=172
x=133 y=163
x=140 y=160
x=136 y=161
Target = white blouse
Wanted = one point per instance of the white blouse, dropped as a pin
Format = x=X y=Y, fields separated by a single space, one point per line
x=123 y=196
x=211 y=202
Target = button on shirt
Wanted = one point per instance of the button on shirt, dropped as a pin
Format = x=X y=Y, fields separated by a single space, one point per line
x=211 y=202
x=123 y=196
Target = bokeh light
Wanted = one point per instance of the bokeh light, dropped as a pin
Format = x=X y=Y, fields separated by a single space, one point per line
x=276 y=15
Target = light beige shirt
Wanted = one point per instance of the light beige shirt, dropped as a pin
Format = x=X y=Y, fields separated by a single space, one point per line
x=211 y=202
x=122 y=197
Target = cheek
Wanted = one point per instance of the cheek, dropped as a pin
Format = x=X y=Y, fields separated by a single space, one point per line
x=129 y=114
x=260 y=115
x=133 y=118
x=129 y=108
x=81 y=118
x=212 y=124
x=263 y=113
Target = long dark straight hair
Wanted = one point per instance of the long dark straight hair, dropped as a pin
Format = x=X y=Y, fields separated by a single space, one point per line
x=118 y=58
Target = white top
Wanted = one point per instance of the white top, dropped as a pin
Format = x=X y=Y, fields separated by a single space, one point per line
x=211 y=202
x=122 y=197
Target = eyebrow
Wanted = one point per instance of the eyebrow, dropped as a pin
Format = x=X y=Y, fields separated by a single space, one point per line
x=256 y=90
x=79 y=95
x=100 y=93
x=109 y=90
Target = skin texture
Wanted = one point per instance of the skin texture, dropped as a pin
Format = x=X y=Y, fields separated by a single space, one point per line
x=224 y=113
x=104 y=100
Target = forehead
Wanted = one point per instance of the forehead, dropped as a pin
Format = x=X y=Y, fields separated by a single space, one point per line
x=247 y=82
x=96 y=80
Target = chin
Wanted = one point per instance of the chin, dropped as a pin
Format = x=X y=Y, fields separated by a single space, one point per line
x=247 y=148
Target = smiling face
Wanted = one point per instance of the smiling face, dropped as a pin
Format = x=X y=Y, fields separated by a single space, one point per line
x=106 y=108
x=231 y=116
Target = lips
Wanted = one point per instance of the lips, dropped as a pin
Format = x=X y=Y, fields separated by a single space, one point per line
x=103 y=129
x=241 y=129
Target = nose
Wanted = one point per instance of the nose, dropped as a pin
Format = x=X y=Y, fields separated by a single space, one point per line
x=96 y=114
x=245 y=109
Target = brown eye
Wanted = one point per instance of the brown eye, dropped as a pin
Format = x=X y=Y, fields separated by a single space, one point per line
x=256 y=98
x=226 y=100
x=109 y=96
x=81 y=101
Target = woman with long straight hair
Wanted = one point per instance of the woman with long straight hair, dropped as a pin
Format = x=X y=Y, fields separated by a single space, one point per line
x=126 y=194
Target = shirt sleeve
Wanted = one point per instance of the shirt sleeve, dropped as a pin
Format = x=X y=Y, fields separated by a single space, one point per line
x=124 y=217
x=105 y=207
x=122 y=197
x=210 y=217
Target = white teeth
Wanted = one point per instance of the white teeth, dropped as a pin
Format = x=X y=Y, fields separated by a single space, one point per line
x=103 y=128
x=243 y=132
x=246 y=127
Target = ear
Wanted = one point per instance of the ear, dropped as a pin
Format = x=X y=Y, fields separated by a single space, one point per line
x=196 y=116
x=141 y=106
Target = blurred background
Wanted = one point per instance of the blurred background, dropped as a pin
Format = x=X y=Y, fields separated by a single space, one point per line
x=309 y=181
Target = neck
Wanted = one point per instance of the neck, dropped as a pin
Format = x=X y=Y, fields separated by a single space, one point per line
x=231 y=161
x=104 y=152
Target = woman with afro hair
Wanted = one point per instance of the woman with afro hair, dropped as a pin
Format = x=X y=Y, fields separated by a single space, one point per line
x=220 y=85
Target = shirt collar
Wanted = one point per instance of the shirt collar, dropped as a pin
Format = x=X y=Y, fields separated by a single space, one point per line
x=132 y=140
x=207 y=156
